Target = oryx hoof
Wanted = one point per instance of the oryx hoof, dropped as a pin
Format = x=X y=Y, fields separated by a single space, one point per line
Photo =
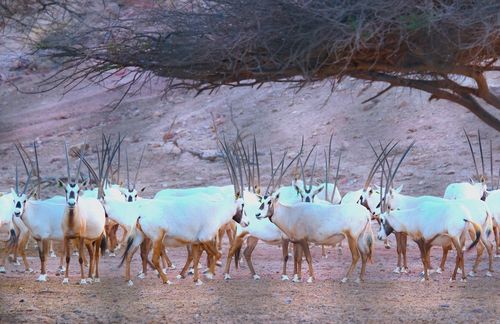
x=17 y=263
x=209 y=275
x=2 y=270
x=218 y=263
x=83 y=282
x=190 y=271
x=397 y=270
x=489 y=274
x=141 y=275
x=205 y=270
x=89 y=280
x=424 y=279
x=97 y=280
x=130 y=283
x=387 y=245
x=344 y=280
x=198 y=282
x=227 y=276
x=324 y=256
x=439 y=270
x=296 y=278
x=172 y=267
x=61 y=269
x=459 y=270
x=463 y=280
x=358 y=281
x=65 y=281
x=452 y=279
x=165 y=270
x=52 y=254
x=75 y=253
x=472 y=274
x=284 y=278
x=112 y=254
x=179 y=276
x=256 y=277
x=404 y=270
x=168 y=282
x=42 y=278
x=29 y=270
x=310 y=280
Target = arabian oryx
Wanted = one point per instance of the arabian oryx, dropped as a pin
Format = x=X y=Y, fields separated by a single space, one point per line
x=179 y=222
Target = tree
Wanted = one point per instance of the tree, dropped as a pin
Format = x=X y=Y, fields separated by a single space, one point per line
x=444 y=47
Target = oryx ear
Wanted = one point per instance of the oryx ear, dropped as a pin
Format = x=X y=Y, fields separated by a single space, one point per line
x=60 y=183
x=398 y=189
x=142 y=190
x=84 y=183
x=256 y=189
x=318 y=190
x=237 y=195
x=259 y=196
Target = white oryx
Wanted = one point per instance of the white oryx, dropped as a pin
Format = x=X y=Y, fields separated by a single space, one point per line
x=7 y=230
x=84 y=219
x=432 y=223
x=305 y=223
x=192 y=220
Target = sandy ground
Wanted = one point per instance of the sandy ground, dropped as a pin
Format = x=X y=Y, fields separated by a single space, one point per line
x=278 y=116
x=384 y=296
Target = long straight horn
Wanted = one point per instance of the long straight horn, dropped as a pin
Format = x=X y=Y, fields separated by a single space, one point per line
x=256 y=160
x=139 y=166
x=481 y=151
x=380 y=159
x=27 y=183
x=82 y=148
x=119 y=162
x=284 y=170
x=38 y=189
x=17 y=179
x=128 y=170
x=312 y=173
x=272 y=172
x=491 y=164
x=472 y=153
x=336 y=177
x=393 y=174
x=67 y=160
x=20 y=149
x=327 y=167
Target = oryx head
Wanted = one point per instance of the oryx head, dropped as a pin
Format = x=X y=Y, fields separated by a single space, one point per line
x=131 y=193
x=267 y=204
x=480 y=181
x=306 y=192
x=19 y=198
x=72 y=187
x=385 y=228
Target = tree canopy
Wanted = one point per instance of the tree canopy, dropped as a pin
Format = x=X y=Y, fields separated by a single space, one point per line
x=444 y=48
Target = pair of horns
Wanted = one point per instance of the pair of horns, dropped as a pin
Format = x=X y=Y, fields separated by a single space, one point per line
x=22 y=153
x=482 y=175
x=129 y=187
x=328 y=159
x=232 y=160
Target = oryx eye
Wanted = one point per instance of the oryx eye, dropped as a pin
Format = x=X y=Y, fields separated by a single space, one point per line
x=269 y=202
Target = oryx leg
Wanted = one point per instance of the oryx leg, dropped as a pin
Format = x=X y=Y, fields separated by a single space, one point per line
x=189 y=259
x=80 y=260
x=307 y=253
x=237 y=243
x=21 y=249
x=251 y=244
x=446 y=249
x=157 y=248
x=479 y=254
x=196 y=251
x=353 y=247
x=43 y=247
x=67 y=253
x=284 y=248
x=128 y=261
x=90 y=250
x=297 y=262
x=97 y=257
x=459 y=260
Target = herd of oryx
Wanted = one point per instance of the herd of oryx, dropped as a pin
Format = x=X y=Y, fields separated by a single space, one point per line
x=306 y=212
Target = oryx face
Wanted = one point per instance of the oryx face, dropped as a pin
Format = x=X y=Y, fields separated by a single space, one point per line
x=307 y=194
x=131 y=194
x=73 y=191
x=385 y=228
x=370 y=198
x=266 y=208
x=19 y=202
x=240 y=215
